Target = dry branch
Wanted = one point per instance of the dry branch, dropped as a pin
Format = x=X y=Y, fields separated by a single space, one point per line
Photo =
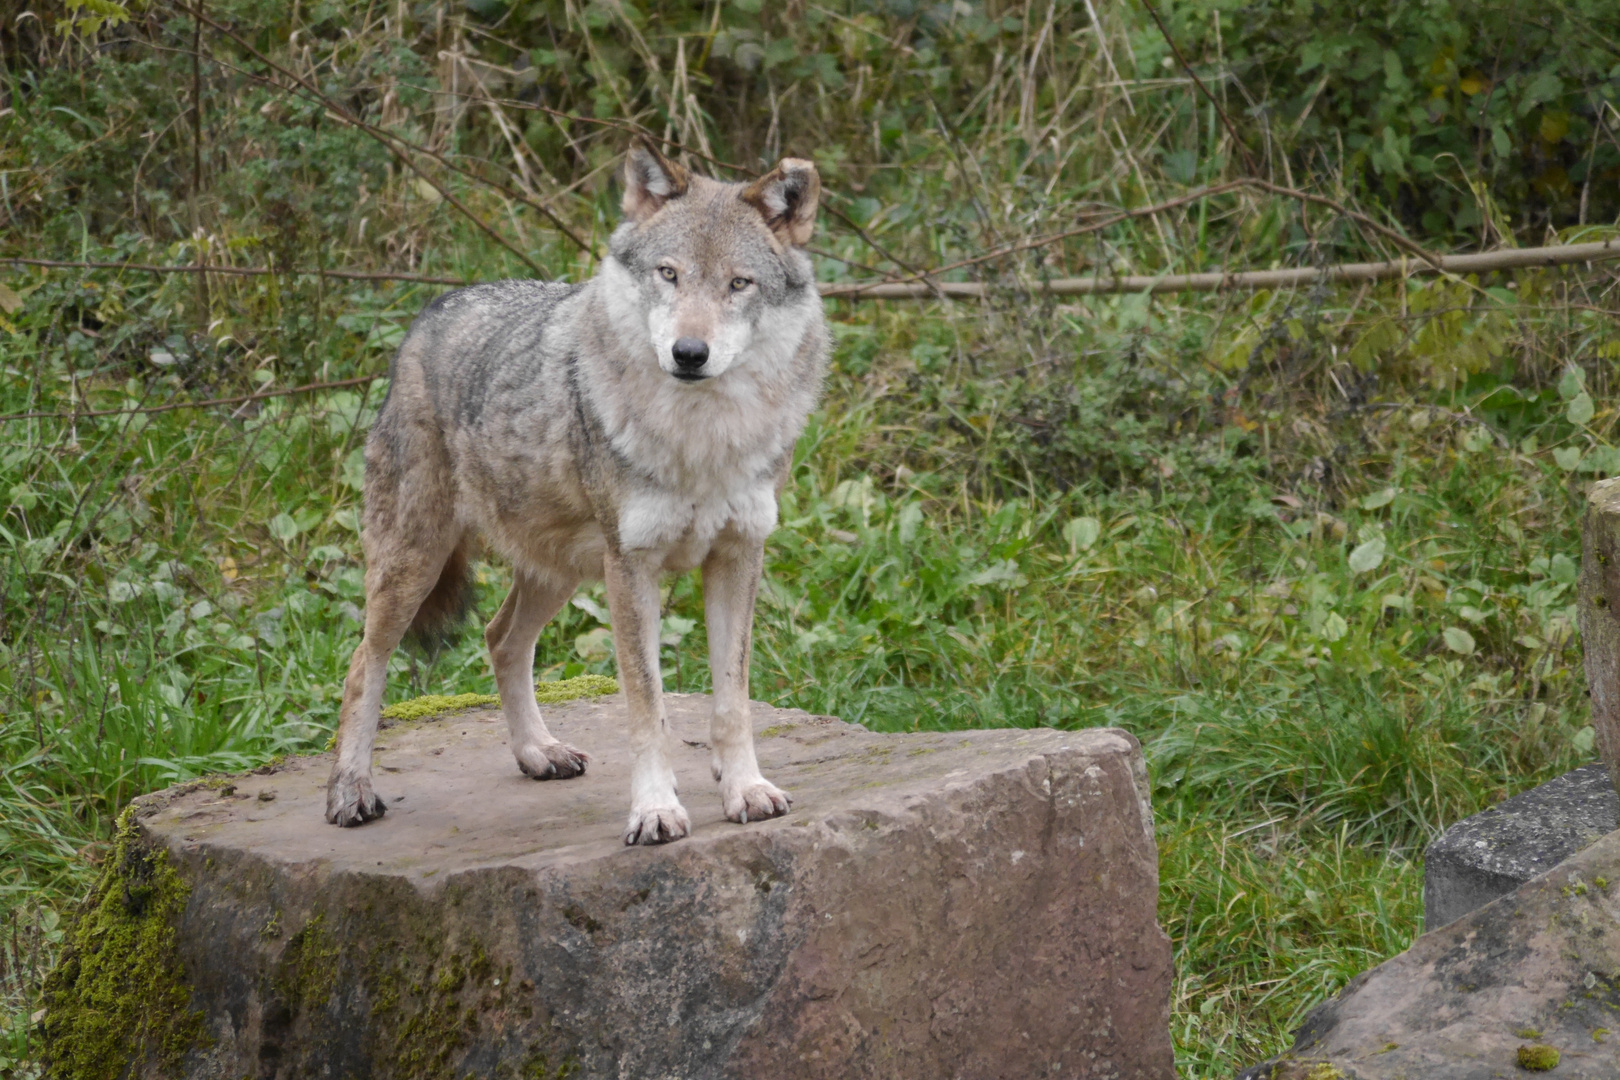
x=172 y=406
x=1509 y=259
x=241 y=271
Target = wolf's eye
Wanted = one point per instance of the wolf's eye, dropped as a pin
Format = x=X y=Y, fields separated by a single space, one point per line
x=738 y=284
x=667 y=273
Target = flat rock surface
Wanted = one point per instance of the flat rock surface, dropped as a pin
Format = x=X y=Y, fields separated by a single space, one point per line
x=1538 y=967
x=1499 y=849
x=969 y=904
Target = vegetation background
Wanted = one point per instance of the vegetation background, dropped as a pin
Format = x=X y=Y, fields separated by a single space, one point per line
x=1315 y=547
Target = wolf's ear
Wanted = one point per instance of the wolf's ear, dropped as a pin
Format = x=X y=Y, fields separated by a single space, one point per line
x=786 y=197
x=650 y=181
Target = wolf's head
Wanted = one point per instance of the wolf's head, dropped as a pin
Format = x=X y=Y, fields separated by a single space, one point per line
x=716 y=269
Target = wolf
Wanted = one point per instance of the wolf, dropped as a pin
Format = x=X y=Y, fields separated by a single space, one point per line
x=639 y=424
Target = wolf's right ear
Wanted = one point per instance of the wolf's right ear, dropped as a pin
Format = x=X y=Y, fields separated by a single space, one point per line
x=650 y=181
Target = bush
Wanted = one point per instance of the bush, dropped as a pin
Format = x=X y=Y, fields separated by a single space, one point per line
x=1466 y=118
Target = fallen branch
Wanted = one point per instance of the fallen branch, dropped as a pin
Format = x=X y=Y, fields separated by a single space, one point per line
x=1507 y=259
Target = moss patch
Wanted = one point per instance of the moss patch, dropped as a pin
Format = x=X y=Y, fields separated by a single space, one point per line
x=1538 y=1058
x=547 y=693
x=309 y=966
x=119 y=1003
x=581 y=686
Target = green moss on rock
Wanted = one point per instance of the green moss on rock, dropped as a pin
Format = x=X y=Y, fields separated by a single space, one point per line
x=1538 y=1058
x=581 y=686
x=308 y=969
x=434 y=704
x=119 y=1003
x=546 y=693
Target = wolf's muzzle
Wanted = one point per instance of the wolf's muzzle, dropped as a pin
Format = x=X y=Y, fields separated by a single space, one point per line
x=690 y=356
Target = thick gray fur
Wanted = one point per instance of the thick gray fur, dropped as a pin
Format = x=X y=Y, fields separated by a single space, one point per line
x=556 y=425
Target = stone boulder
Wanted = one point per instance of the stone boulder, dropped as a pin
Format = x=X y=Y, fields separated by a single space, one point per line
x=971 y=904
x=1500 y=848
x=1531 y=978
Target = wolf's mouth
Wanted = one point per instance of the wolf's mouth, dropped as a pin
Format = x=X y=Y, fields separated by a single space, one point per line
x=689 y=376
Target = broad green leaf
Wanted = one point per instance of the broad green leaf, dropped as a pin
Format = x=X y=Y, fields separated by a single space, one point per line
x=1567 y=457
x=283 y=527
x=1367 y=556
x=1459 y=640
x=1572 y=382
x=1378 y=499
x=1563 y=569
x=1334 y=627
x=1082 y=532
x=1580 y=408
x=594 y=645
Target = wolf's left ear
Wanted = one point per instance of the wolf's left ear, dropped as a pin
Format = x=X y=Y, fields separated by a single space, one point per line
x=786 y=197
x=650 y=181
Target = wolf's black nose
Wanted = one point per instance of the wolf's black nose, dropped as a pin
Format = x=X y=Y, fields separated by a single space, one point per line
x=690 y=353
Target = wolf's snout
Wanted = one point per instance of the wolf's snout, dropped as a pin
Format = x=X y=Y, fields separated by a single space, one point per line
x=690 y=354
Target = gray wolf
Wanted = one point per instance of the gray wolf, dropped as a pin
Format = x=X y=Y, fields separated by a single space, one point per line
x=639 y=424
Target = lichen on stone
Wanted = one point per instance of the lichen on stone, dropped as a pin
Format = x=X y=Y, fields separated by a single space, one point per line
x=1538 y=1058
x=546 y=693
x=119 y=1003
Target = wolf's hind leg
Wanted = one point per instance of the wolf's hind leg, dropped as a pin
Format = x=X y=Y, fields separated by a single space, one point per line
x=511 y=635
x=730 y=585
x=397 y=582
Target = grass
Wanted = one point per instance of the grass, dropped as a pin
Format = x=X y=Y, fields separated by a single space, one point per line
x=1310 y=718
x=1315 y=548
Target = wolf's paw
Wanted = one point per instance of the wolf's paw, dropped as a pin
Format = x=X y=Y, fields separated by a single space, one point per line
x=551 y=761
x=350 y=801
x=754 y=801
x=658 y=825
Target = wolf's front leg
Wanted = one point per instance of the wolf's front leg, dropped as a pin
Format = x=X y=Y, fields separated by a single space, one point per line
x=511 y=636
x=656 y=814
x=730 y=583
x=349 y=798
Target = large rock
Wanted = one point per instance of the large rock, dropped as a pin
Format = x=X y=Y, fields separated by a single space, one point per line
x=1539 y=968
x=975 y=904
x=1499 y=849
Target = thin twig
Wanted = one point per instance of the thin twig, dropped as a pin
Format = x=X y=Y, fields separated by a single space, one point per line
x=1226 y=121
x=392 y=143
x=243 y=271
x=171 y=407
